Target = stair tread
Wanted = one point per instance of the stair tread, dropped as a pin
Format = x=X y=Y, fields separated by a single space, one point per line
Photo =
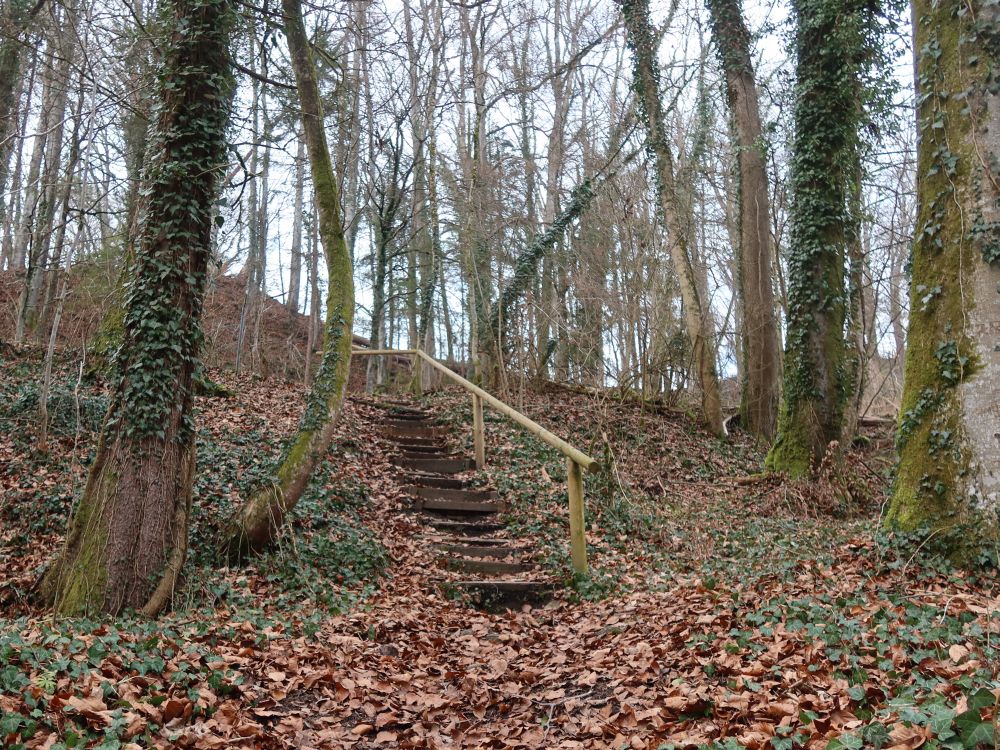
x=430 y=480
x=487 y=567
x=439 y=456
x=475 y=541
x=446 y=493
x=435 y=465
x=387 y=404
x=479 y=550
x=417 y=440
x=514 y=584
x=460 y=527
x=415 y=431
x=408 y=423
x=457 y=506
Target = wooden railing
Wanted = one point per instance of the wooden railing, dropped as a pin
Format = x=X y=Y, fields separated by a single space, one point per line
x=577 y=462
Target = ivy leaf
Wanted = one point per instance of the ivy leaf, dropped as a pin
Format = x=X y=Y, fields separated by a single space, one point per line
x=975 y=732
x=982 y=698
x=846 y=742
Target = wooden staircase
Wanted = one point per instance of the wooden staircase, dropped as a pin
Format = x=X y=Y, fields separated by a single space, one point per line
x=466 y=521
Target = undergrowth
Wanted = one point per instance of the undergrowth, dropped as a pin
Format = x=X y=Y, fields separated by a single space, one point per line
x=327 y=561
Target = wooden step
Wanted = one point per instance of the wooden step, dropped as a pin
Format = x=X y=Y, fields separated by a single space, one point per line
x=407 y=448
x=456 y=506
x=486 y=541
x=443 y=536
x=463 y=528
x=441 y=493
x=439 y=455
x=435 y=465
x=405 y=424
x=391 y=406
x=488 y=567
x=497 y=595
x=408 y=415
x=419 y=431
x=430 y=480
x=481 y=550
x=388 y=405
x=414 y=440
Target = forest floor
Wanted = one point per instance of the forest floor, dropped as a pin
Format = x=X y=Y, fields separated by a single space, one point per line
x=726 y=608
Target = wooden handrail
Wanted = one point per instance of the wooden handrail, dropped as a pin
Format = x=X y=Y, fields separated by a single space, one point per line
x=576 y=460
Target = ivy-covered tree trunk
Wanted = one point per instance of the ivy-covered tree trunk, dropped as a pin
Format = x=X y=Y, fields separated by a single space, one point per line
x=257 y=523
x=760 y=340
x=127 y=539
x=697 y=311
x=829 y=40
x=949 y=469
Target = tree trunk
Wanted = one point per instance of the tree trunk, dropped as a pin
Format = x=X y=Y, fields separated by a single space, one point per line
x=253 y=268
x=347 y=152
x=136 y=114
x=760 y=340
x=259 y=521
x=697 y=311
x=896 y=295
x=24 y=252
x=829 y=40
x=61 y=275
x=473 y=230
x=127 y=540
x=314 y=307
x=436 y=256
x=949 y=468
x=12 y=210
x=13 y=22
x=256 y=357
x=856 y=358
x=10 y=90
x=66 y=193
x=295 y=265
x=380 y=265
x=41 y=231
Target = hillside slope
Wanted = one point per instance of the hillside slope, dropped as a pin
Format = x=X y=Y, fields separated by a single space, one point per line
x=725 y=607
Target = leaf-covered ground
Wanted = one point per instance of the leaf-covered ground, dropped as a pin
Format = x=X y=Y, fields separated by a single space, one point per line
x=726 y=609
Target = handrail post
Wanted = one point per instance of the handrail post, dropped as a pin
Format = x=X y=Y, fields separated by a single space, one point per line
x=577 y=532
x=478 y=435
x=418 y=375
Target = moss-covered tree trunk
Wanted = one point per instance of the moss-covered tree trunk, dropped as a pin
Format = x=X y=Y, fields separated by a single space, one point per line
x=257 y=523
x=127 y=538
x=697 y=311
x=761 y=343
x=829 y=40
x=949 y=469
